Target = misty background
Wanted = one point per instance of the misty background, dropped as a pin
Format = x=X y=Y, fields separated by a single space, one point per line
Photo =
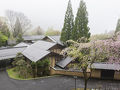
x=103 y=14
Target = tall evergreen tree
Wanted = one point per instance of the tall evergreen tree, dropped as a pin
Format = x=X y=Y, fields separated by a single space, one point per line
x=118 y=26
x=81 y=28
x=68 y=24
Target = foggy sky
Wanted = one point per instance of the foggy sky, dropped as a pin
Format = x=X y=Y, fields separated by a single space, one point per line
x=103 y=14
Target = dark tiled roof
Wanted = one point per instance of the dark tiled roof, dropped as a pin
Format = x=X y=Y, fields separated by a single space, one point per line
x=10 y=52
x=106 y=66
x=35 y=37
x=64 y=62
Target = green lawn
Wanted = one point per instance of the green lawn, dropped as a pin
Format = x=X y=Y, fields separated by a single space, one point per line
x=15 y=75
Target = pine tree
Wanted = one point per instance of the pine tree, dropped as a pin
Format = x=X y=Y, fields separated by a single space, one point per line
x=81 y=28
x=118 y=26
x=68 y=24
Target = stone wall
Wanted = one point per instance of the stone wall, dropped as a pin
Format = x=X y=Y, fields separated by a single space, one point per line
x=66 y=72
x=95 y=73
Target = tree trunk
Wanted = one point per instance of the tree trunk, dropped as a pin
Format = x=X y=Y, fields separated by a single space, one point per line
x=36 y=70
x=85 y=88
x=85 y=78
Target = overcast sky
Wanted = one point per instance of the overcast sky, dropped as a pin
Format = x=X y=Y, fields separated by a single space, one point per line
x=103 y=14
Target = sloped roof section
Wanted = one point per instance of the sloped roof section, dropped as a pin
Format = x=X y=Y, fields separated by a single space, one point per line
x=34 y=37
x=35 y=54
x=41 y=45
x=64 y=62
x=55 y=39
x=106 y=66
x=22 y=44
x=10 y=52
x=37 y=50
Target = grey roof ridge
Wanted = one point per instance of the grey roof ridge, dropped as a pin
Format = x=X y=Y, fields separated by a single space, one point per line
x=7 y=55
x=52 y=38
x=55 y=43
x=47 y=41
x=12 y=47
x=55 y=40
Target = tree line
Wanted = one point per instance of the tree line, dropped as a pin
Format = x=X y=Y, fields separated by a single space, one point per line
x=75 y=29
x=13 y=27
x=16 y=24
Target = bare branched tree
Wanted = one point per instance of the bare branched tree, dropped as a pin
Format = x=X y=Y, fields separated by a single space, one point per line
x=12 y=16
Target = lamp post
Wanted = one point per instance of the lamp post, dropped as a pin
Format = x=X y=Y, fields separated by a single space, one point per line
x=75 y=77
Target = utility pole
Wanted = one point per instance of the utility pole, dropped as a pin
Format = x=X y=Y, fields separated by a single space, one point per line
x=75 y=77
